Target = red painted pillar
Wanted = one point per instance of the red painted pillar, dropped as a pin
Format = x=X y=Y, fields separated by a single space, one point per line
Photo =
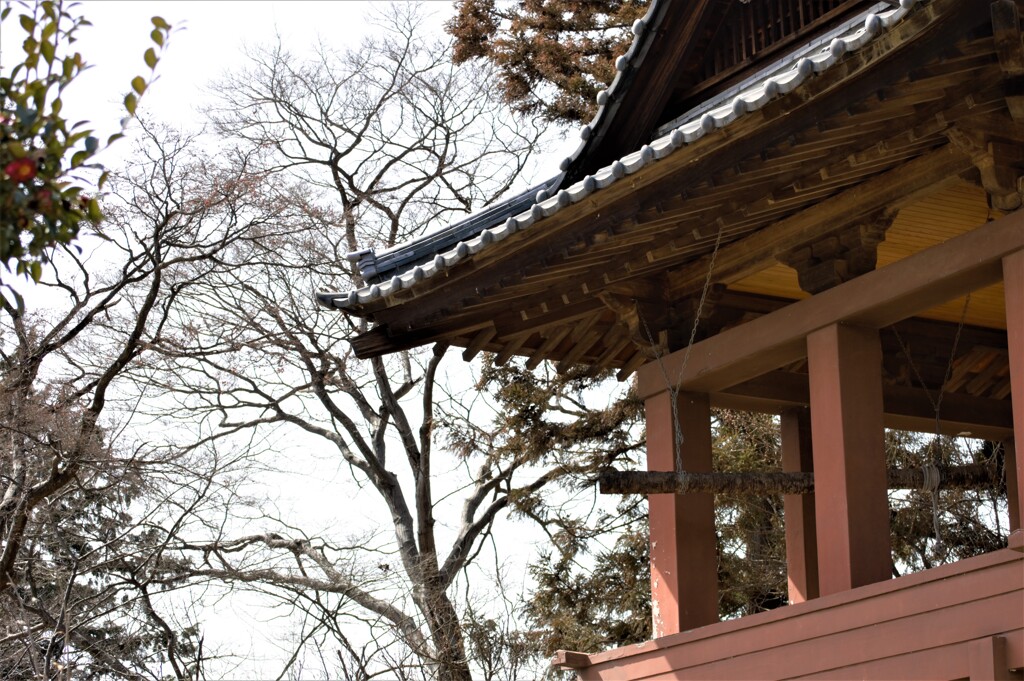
x=851 y=496
x=1013 y=482
x=684 y=556
x=801 y=539
x=1013 y=292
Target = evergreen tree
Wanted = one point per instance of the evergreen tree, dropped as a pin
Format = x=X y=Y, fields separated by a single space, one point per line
x=552 y=56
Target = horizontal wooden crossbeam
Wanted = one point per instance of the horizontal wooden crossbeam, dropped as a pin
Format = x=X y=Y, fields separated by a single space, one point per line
x=971 y=476
x=875 y=300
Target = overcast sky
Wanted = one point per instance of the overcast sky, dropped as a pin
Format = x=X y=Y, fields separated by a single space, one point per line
x=209 y=40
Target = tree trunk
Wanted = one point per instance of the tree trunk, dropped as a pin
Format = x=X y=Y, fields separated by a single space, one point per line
x=446 y=634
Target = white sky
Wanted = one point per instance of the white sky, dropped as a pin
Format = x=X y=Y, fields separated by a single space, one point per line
x=208 y=40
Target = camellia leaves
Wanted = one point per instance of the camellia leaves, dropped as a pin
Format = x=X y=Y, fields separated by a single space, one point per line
x=41 y=154
x=47 y=50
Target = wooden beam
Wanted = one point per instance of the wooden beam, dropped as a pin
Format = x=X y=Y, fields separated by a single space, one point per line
x=876 y=299
x=482 y=338
x=570 y=659
x=761 y=249
x=904 y=408
x=761 y=483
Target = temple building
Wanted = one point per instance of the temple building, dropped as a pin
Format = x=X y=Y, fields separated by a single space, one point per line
x=810 y=208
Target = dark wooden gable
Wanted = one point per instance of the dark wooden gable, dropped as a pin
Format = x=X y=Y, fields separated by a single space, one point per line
x=700 y=48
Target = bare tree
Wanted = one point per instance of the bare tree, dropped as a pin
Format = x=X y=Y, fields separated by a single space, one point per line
x=377 y=144
x=87 y=499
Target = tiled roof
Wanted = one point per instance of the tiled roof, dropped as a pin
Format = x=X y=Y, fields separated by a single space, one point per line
x=424 y=258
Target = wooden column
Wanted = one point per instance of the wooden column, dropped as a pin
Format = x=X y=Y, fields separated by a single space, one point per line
x=1013 y=288
x=1013 y=482
x=684 y=557
x=851 y=501
x=801 y=535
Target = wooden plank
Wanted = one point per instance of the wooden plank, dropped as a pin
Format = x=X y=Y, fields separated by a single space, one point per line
x=876 y=299
x=925 y=611
x=987 y=659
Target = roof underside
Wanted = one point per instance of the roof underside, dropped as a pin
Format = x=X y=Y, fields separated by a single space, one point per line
x=595 y=276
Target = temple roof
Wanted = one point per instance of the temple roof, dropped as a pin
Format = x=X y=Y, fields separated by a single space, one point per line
x=795 y=168
x=407 y=264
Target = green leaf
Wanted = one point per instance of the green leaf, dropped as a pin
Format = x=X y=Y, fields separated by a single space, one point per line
x=150 y=58
x=79 y=158
x=103 y=179
x=157 y=36
x=46 y=47
x=160 y=23
x=27 y=22
x=130 y=102
x=48 y=30
x=139 y=84
x=94 y=211
x=36 y=270
x=56 y=106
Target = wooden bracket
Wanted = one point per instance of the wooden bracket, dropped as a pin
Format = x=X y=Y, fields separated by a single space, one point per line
x=1010 y=49
x=684 y=314
x=1007 y=34
x=643 y=320
x=999 y=163
x=841 y=256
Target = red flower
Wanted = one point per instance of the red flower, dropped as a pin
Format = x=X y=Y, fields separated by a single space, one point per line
x=21 y=169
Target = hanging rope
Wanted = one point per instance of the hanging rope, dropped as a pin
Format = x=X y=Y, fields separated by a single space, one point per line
x=929 y=467
x=673 y=387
